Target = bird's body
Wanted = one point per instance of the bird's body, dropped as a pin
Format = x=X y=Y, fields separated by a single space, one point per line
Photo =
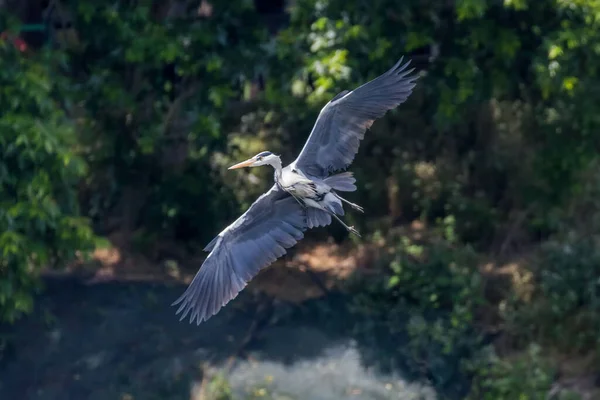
x=310 y=191
x=296 y=183
x=304 y=196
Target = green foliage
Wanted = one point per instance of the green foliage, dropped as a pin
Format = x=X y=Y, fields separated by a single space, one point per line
x=39 y=173
x=565 y=310
x=218 y=388
x=152 y=94
x=430 y=295
x=507 y=98
x=503 y=115
x=489 y=149
x=509 y=101
x=525 y=377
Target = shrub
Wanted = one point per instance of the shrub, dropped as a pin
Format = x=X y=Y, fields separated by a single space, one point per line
x=564 y=310
x=39 y=173
x=428 y=296
x=526 y=377
x=154 y=92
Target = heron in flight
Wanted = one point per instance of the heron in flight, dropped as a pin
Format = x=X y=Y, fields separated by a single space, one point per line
x=304 y=196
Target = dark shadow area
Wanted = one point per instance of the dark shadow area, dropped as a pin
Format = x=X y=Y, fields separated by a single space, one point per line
x=101 y=341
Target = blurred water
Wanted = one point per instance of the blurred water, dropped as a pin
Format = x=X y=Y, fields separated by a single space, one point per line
x=336 y=374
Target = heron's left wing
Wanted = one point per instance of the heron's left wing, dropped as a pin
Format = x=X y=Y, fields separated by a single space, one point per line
x=342 y=123
x=274 y=223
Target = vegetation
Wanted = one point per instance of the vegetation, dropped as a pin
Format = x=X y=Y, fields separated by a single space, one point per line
x=40 y=169
x=496 y=155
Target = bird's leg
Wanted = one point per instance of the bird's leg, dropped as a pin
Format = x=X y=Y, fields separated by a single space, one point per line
x=354 y=206
x=350 y=229
x=298 y=200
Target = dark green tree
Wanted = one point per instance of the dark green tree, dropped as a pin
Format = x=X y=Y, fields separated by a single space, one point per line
x=40 y=171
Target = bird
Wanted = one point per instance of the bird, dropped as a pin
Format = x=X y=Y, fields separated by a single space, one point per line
x=305 y=194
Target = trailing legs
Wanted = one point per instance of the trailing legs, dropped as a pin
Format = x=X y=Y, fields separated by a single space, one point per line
x=354 y=206
x=350 y=229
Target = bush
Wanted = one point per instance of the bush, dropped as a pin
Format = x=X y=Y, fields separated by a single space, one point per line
x=153 y=94
x=39 y=173
x=428 y=296
x=565 y=308
x=527 y=376
x=502 y=114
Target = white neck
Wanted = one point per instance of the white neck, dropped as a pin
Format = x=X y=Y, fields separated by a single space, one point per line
x=275 y=162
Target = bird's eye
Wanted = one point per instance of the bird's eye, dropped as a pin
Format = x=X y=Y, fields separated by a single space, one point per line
x=258 y=158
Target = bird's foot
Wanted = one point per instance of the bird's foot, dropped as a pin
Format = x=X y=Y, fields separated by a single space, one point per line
x=357 y=207
x=354 y=206
x=351 y=229
x=348 y=228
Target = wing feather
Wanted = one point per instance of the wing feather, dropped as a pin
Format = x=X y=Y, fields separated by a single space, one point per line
x=342 y=123
x=274 y=223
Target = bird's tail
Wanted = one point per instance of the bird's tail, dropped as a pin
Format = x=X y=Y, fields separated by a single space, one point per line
x=343 y=182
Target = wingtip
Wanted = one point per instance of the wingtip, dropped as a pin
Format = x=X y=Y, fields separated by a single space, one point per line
x=399 y=68
x=396 y=67
x=413 y=76
x=173 y=304
x=404 y=67
x=184 y=309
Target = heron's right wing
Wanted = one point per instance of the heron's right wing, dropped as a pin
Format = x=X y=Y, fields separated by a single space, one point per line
x=274 y=223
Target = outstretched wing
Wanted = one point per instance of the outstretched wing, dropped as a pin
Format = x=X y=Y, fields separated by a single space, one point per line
x=272 y=224
x=342 y=123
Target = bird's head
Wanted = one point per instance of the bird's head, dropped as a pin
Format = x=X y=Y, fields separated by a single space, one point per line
x=262 y=158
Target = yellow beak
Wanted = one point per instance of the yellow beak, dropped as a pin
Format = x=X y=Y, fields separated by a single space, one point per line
x=243 y=164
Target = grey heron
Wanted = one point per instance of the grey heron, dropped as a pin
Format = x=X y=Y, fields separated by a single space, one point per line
x=304 y=195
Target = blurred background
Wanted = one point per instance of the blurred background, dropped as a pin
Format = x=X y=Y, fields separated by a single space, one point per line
x=478 y=273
